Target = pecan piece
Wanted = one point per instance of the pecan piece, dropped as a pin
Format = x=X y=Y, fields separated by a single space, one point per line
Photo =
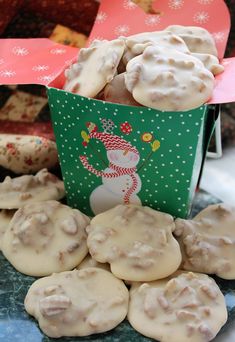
x=54 y=305
x=69 y=226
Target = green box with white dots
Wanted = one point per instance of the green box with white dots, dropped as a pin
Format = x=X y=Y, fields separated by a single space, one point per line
x=112 y=154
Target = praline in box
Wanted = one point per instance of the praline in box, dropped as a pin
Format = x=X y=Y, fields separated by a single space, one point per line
x=112 y=153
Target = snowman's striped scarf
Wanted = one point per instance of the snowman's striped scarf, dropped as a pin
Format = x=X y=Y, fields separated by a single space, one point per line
x=119 y=171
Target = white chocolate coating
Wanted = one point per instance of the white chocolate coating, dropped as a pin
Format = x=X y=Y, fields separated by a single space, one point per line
x=116 y=92
x=16 y=192
x=136 y=44
x=165 y=79
x=95 y=68
x=196 y=38
x=136 y=241
x=210 y=62
x=45 y=237
x=187 y=307
x=208 y=241
x=5 y=219
x=78 y=303
x=88 y=261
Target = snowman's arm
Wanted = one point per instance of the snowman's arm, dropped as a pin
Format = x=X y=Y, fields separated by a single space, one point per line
x=98 y=173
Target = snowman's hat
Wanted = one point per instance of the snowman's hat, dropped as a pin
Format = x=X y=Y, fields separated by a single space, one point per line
x=113 y=142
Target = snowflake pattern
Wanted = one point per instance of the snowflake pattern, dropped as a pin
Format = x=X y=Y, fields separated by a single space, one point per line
x=7 y=73
x=152 y=20
x=129 y=5
x=40 y=67
x=176 y=4
x=58 y=51
x=69 y=62
x=46 y=78
x=219 y=36
x=101 y=17
x=122 y=30
x=201 y=17
x=20 y=51
x=205 y=2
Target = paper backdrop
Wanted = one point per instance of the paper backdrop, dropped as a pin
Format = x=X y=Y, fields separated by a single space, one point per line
x=123 y=18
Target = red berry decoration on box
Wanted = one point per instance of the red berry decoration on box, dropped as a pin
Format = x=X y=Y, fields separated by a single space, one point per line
x=126 y=128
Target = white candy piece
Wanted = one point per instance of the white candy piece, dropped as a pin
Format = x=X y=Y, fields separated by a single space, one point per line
x=136 y=241
x=136 y=44
x=78 y=303
x=116 y=92
x=210 y=62
x=5 y=219
x=16 y=150
x=208 y=241
x=187 y=307
x=165 y=79
x=90 y=262
x=196 y=38
x=45 y=237
x=16 y=192
x=95 y=68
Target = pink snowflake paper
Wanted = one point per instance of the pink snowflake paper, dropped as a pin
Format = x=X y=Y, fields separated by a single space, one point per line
x=125 y=18
x=32 y=61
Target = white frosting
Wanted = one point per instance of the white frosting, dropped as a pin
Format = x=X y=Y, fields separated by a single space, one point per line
x=210 y=62
x=196 y=38
x=45 y=237
x=165 y=79
x=78 y=303
x=208 y=241
x=136 y=241
x=18 y=191
x=186 y=307
x=136 y=44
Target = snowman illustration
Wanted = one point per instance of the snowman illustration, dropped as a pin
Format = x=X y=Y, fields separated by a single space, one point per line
x=120 y=181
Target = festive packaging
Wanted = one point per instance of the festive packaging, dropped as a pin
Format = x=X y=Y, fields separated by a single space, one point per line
x=111 y=153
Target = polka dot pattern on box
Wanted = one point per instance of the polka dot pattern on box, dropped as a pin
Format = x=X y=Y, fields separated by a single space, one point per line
x=120 y=154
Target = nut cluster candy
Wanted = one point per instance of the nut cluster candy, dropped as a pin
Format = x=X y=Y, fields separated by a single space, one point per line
x=78 y=303
x=127 y=244
x=45 y=237
x=136 y=241
x=189 y=305
x=18 y=191
x=159 y=69
x=208 y=241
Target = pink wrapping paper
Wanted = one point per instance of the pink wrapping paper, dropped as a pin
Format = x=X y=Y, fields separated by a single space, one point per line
x=123 y=17
x=32 y=61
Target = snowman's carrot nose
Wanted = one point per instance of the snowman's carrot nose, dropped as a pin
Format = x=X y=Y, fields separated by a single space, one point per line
x=125 y=152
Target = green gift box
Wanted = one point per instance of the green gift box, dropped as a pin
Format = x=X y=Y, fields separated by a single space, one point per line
x=112 y=154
